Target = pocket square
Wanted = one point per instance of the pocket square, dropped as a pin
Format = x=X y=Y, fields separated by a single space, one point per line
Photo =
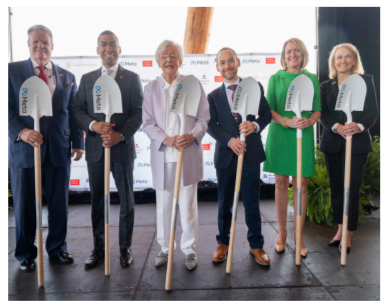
x=69 y=85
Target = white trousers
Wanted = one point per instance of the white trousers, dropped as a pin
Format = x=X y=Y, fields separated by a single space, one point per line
x=188 y=209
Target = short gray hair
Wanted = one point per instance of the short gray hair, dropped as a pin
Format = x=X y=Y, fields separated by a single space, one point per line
x=40 y=28
x=166 y=43
x=226 y=48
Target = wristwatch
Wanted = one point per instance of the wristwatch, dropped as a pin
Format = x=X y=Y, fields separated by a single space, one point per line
x=123 y=138
x=193 y=135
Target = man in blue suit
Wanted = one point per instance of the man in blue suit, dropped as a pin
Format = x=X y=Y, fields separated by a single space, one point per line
x=225 y=127
x=58 y=135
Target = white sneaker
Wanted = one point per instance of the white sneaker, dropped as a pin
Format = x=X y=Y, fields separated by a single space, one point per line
x=161 y=259
x=191 y=262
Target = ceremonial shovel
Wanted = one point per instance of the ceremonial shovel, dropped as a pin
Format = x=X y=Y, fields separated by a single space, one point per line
x=107 y=100
x=185 y=103
x=35 y=101
x=246 y=101
x=299 y=98
x=351 y=98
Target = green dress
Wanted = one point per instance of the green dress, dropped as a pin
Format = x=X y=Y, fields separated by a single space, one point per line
x=281 y=143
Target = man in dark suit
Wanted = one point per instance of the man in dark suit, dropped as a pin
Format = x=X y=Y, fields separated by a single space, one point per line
x=119 y=137
x=225 y=127
x=58 y=134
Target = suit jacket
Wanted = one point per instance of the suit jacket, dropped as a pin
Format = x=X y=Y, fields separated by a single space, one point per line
x=127 y=123
x=332 y=142
x=154 y=113
x=58 y=131
x=222 y=127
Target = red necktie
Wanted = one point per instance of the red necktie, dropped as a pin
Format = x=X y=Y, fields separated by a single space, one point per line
x=42 y=75
x=233 y=87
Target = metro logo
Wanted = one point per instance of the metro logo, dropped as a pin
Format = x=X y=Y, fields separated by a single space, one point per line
x=219 y=79
x=270 y=60
x=74 y=182
x=147 y=63
x=206 y=146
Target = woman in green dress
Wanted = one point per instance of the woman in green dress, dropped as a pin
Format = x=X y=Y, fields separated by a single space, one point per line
x=281 y=143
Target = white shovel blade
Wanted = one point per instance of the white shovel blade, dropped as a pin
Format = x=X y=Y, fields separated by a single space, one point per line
x=300 y=95
x=247 y=98
x=352 y=94
x=28 y=106
x=106 y=84
x=186 y=97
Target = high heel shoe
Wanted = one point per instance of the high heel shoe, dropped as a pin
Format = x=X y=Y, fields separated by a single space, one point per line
x=304 y=251
x=348 y=248
x=333 y=243
x=281 y=248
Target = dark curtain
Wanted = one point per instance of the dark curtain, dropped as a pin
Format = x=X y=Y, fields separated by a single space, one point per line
x=359 y=26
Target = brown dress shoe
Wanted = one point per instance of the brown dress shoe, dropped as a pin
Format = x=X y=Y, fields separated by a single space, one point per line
x=220 y=253
x=261 y=256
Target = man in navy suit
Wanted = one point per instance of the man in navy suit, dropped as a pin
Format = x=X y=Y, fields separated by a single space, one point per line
x=58 y=135
x=225 y=127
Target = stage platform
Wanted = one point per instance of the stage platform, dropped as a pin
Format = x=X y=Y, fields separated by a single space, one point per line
x=320 y=276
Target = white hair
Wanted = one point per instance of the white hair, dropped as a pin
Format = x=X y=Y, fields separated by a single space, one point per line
x=40 y=28
x=166 y=43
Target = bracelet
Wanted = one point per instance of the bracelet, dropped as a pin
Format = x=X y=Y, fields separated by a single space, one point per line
x=314 y=122
x=283 y=122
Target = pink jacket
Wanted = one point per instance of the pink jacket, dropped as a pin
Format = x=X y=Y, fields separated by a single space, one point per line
x=154 y=110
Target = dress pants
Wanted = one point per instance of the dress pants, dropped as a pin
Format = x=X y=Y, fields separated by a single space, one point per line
x=55 y=184
x=188 y=209
x=250 y=194
x=123 y=177
x=336 y=170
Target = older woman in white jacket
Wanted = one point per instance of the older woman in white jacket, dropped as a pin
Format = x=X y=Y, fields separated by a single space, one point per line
x=162 y=128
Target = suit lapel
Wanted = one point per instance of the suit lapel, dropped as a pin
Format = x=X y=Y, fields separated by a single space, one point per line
x=119 y=78
x=59 y=82
x=164 y=108
x=27 y=70
x=335 y=88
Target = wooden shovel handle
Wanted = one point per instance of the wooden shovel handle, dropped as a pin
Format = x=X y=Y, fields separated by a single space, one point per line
x=299 y=201
x=168 y=280
x=38 y=197
x=234 y=213
x=347 y=182
x=107 y=210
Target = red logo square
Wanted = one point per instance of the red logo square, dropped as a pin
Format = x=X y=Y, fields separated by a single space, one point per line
x=74 y=182
x=219 y=79
x=270 y=60
x=206 y=146
x=147 y=63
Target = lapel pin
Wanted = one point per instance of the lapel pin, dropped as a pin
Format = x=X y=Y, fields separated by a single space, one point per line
x=60 y=75
x=121 y=77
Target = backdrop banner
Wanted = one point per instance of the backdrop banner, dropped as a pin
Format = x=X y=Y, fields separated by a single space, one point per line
x=260 y=66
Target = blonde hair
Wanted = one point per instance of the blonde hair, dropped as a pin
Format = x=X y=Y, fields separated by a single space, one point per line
x=356 y=69
x=301 y=46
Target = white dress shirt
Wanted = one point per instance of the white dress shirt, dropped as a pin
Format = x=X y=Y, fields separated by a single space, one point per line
x=105 y=71
x=229 y=99
x=171 y=122
x=334 y=127
x=51 y=82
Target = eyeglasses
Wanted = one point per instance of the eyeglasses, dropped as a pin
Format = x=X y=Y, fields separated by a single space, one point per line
x=165 y=56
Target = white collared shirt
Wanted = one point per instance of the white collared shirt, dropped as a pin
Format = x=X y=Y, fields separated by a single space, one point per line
x=113 y=68
x=172 y=127
x=51 y=82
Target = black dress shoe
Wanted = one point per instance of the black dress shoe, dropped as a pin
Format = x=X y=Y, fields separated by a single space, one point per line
x=94 y=258
x=126 y=258
x=63 y=258
x=27 y=265
x=333 y=243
